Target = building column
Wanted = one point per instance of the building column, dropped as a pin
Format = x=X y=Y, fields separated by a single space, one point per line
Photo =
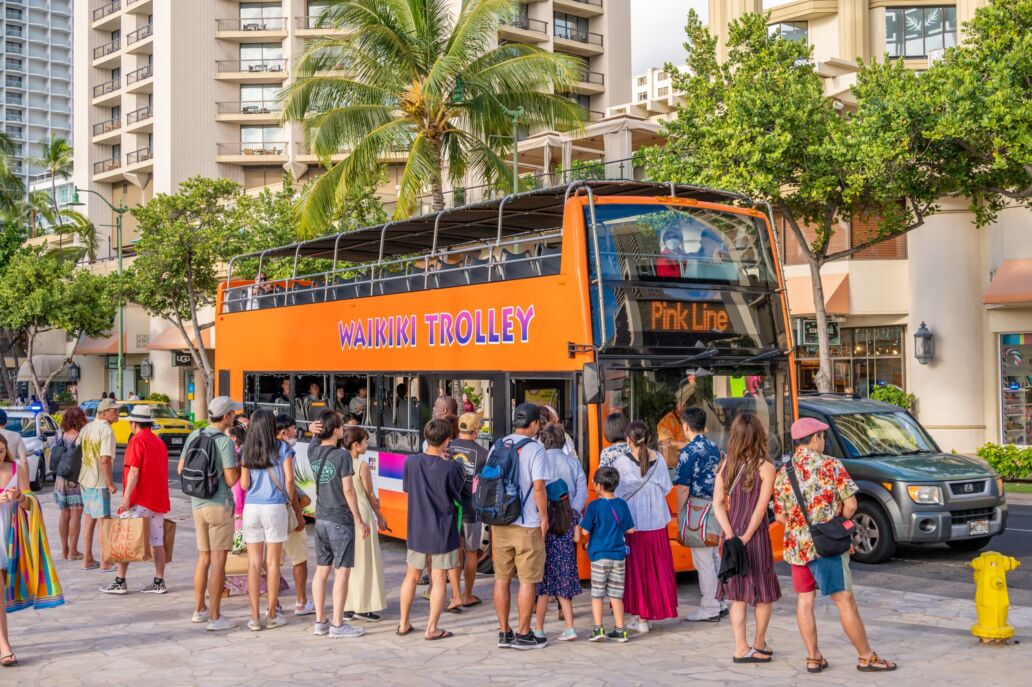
x=966 y=11
x=722 y=13
x=617 y=153
x=944 y=279
x=853 y=20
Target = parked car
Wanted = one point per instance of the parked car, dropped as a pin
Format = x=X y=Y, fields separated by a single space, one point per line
x=910 y=490
x=168 y=426
x=36 y=428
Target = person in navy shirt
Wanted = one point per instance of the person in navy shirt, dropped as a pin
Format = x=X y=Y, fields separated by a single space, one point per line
x=695 y=475
x=607 y=521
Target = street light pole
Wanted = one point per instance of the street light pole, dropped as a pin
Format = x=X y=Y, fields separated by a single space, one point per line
x=119 y=212
x=515 y=114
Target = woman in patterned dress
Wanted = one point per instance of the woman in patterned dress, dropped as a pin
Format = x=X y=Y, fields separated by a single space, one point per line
x=67 y=494
x=747 y=479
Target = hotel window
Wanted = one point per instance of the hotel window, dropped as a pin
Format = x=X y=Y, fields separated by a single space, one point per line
x=261 y=57
x=1016 y=389
x=663 y=92
x=792 y=30
x=863 y=358
x=643 y=95
x=642 y=80
x=261 y=16
x=570 y=27
x=661 y=76
x=917 y=31
x=258 y=140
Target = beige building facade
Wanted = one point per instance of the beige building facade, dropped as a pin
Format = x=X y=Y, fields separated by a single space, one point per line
x=169 y=89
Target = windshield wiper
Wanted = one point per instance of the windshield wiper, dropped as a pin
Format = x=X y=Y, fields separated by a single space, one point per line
x=916 y=451
x=705 y=355
x=765 y=356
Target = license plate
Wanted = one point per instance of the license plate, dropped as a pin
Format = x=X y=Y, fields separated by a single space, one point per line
x=176 y=441
x=978 y=527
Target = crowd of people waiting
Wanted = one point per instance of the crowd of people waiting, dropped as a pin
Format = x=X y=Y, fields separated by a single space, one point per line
x=624 y=530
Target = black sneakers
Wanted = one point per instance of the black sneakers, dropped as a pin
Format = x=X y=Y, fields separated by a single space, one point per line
x=117 y=587
x=529 y=641
x=505 y=639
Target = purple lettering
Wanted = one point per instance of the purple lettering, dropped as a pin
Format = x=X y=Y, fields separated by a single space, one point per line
x=464 y=317
x=360 y=337
x=381 y=332
x=431 y=320
x=346 y=333
x=507 y=325
x=447 y=329
x=412 y=336
x=480 y=337
x=492 y=332
x=525 y=317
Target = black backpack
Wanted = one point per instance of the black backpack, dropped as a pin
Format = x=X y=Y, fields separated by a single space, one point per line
x=201 y=467
x=66 y=461
x=496 y=490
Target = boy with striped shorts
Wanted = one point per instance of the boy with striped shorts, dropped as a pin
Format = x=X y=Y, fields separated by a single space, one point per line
x=607 y=521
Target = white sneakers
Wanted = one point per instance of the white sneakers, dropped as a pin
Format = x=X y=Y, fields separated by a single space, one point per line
x=638 y=625
x=199 y=617
x=701 y=616
x=306 y=609
x=221 y=625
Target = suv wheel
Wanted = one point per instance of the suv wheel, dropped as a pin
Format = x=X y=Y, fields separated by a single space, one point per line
x=969 y=544
x=41 y=475
x=873 y=539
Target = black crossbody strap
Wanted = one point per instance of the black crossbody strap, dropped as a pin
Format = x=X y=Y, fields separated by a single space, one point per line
x=790 y=470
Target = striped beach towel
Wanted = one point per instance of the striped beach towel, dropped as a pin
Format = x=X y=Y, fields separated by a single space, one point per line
x=32 y=578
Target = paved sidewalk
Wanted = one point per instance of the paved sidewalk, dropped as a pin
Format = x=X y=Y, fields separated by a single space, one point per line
x=96 y=639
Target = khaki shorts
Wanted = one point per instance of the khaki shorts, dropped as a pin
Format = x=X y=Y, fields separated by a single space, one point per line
x=438 y=561
x=213 y=526
x=518 y=552
x=296 y=547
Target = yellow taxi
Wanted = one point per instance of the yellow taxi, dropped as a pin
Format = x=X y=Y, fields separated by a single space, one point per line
x=168 y=426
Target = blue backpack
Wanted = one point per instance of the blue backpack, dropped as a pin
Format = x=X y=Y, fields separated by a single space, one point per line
x=497 y=498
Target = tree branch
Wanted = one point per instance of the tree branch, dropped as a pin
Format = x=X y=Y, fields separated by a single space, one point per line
x=878 y=239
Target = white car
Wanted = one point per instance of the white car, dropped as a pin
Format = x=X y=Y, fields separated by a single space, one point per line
x=36 y=430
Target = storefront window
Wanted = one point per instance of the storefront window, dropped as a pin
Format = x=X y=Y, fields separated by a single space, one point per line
x=863 y=357
x=1016 y=388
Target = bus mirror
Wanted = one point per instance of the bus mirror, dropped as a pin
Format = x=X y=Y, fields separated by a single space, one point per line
x=592 y=383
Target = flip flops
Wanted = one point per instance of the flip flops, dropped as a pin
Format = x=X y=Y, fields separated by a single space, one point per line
x=402 y=633
x=765 y=651
x=444 y=634
x=753 y=656
x=453 y=609
x=475 y=602
x=95 y=565
x=816 y=665
x=9 y=661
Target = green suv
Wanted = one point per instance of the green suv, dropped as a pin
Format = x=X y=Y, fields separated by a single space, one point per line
x=910 y=491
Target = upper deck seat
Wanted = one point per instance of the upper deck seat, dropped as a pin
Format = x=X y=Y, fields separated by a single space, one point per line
x=517 y=265
x=478 y=270
x=550 y=259
x=235 y=299
x=344 y=289
x=301 y=294
x=449 y=275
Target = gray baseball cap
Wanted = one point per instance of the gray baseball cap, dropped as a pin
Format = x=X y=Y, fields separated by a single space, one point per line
x=223 y=405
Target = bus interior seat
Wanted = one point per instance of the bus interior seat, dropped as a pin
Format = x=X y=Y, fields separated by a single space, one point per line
x=301 y=295
x=516 y=265
x=478 y=269
x=449 y=275
x=344 y=289
x=549 y=258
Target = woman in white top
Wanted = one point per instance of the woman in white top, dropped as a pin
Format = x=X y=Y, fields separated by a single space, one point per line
x=650 y=591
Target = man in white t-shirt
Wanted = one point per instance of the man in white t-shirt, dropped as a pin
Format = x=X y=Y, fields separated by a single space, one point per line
x=15 y=443
x=519 y=549
x=97 y=440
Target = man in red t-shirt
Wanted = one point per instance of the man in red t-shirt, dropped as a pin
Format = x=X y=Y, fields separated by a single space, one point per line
x=145 y=495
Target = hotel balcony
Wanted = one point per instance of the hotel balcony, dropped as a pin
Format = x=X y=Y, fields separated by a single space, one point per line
x=140 y=121
x=140 y=160
x=590 y=83
x=252 y=153
x=140 y=41
x=107 y=131
x=106 y=55
x=107 y=170
x=138 y=6
x=580 y=8
x=271 y=70
x=107 y=93
x=106 y=15
x=265 y=29
x=309 y=27
x=520 y=29
x=140 y=80
x=584 y=43
x=249 y=112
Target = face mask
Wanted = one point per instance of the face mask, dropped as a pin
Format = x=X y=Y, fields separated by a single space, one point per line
x=291 y=442
x=673 y=244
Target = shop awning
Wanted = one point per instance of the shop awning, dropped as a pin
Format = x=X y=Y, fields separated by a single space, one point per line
x=103 y=346
x=45 y=364
x=171 y=340
x=1012 y=284
x=836 y=295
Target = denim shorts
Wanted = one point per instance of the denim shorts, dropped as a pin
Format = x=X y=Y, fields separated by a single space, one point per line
x=334 y=544
x=829 y=574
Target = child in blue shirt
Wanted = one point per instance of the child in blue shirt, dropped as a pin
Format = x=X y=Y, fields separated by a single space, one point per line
x=607 y=520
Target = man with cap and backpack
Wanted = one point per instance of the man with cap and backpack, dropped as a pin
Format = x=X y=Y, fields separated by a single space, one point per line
x=144 y=495
x=207 y=472
x=510 y=496
x=814 y=497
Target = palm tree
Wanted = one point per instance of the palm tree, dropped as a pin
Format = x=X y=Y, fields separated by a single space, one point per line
x=56 y=158
x=74 y=223
x=412 y=77
x=33 y=207
x=11 y=187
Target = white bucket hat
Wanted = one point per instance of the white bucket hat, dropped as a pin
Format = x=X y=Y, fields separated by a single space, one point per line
x=141 y=414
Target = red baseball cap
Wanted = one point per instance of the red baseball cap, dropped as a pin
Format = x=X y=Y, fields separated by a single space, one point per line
x=806 y=426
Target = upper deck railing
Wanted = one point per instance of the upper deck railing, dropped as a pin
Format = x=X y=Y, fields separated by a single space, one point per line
x=515 y=237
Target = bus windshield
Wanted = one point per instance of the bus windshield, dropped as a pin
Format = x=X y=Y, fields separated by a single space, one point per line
x=684 y=244
x=658 y=395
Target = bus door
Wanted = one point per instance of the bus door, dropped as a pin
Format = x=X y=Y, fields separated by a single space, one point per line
x=556 y=392
x=476 y=393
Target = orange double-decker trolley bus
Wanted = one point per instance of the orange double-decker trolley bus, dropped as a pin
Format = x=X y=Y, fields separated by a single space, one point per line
x=591 y=297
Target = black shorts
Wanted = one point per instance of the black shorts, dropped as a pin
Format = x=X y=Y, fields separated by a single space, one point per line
x=334 y=544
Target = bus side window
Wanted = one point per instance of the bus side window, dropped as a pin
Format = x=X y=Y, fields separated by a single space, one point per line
x=402 y=426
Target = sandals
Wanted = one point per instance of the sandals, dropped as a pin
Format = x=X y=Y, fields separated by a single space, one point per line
x=765 y=651
x=402 y=633
x=9 y=661
x=874 y=664
x=454 y=609
x=816 y=665
x=753 y=656
x=475 y=602
x=443 y=634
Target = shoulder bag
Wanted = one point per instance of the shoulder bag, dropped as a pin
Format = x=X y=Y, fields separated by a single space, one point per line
x=697 y=524
x=832 y=538
x=292 y=521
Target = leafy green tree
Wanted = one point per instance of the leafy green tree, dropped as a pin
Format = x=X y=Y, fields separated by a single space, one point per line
x=411 y=77
x=185 y=238
x=760 y=124
x=979 y=99
x=40 y=292
x=56 y=158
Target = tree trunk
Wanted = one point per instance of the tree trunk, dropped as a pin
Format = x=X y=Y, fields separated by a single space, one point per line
x=437 y=185
x=10 y=381
x=823 y=379
x=33 y=375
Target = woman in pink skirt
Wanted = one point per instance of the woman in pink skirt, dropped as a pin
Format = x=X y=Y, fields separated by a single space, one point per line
x=650 y=591
x=747 y=478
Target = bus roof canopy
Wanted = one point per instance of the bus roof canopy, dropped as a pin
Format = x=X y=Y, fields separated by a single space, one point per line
x=524 y=212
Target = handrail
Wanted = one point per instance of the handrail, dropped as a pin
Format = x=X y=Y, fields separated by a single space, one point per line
x=598 y=266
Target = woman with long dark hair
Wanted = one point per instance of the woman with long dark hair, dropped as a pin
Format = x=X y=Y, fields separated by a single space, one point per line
x=267 y=478
x=615 y=432
x=747 y=479
x=67 y=494
x=650 y=591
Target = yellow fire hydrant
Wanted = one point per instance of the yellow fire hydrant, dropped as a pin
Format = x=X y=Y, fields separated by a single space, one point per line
x=991 y=599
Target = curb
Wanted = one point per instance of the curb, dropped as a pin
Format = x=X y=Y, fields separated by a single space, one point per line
x=1018 y=499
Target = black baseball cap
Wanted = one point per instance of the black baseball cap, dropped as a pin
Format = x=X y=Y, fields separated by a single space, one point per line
x=525 y=414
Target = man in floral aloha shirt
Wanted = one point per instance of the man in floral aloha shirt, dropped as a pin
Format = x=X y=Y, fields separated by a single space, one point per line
x=829 y=492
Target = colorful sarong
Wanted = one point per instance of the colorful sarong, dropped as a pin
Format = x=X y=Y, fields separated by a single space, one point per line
x=31 y=576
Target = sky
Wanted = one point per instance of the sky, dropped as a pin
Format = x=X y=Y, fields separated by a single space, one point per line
x=657 y=31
